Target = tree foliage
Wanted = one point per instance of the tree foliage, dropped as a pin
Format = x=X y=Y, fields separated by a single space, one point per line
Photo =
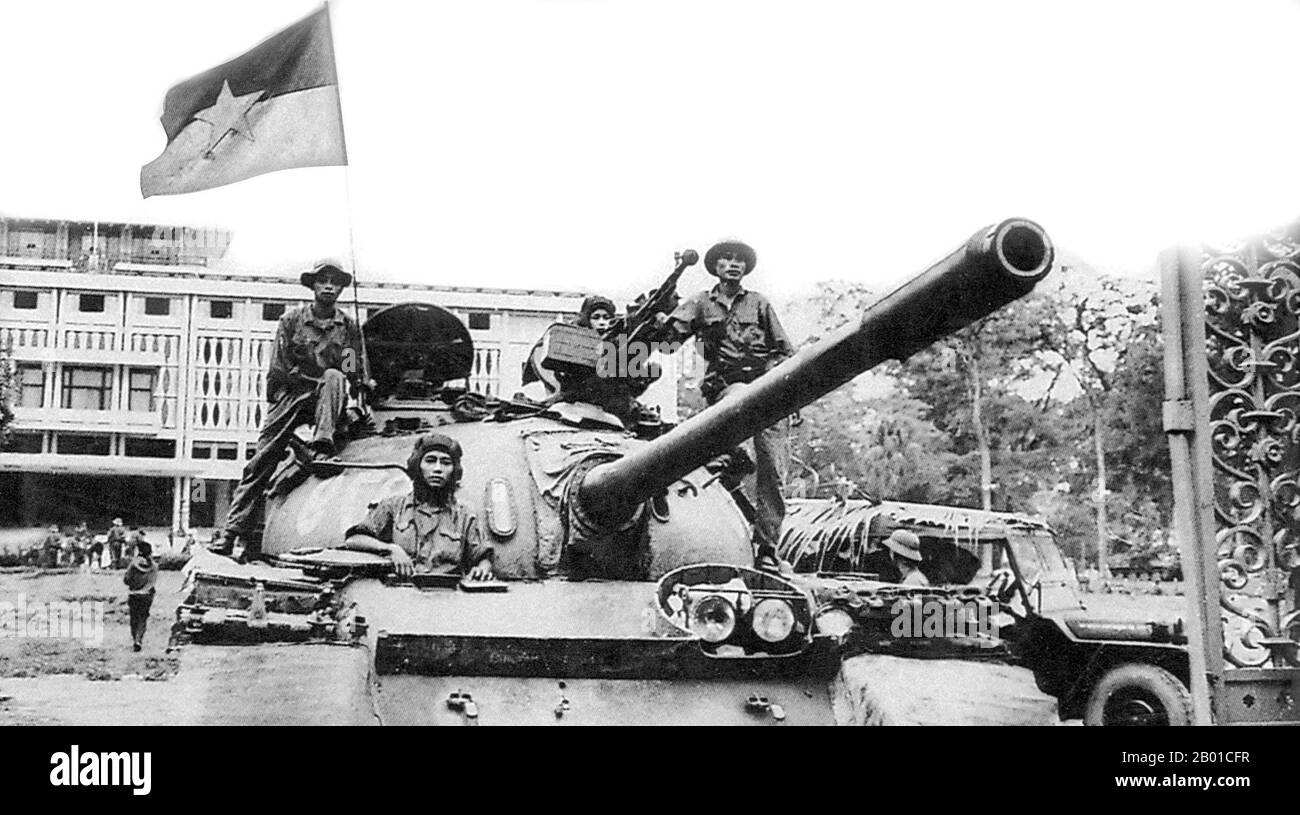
x=7 y=395
x=1027 y=410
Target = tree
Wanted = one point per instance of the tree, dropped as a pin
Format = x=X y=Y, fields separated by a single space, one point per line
x=970 y=379
x=1096 y=324
x=870 y=445
x=867 y=438
x=7 y=385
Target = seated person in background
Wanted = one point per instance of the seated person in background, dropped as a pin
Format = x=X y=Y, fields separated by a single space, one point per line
x=427 y=530
x=906 y=554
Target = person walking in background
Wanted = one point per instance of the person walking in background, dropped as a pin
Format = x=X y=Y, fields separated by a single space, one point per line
x=141 y=578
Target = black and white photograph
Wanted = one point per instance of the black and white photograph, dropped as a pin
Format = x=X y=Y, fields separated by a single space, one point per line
x=592 y=363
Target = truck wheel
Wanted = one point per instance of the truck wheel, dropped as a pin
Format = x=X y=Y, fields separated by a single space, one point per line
x=1137 y=695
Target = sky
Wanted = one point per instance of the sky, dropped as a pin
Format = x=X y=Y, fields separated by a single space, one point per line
x=576 y=144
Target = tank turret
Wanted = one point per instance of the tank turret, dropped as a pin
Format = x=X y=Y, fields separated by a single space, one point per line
x=997 y=265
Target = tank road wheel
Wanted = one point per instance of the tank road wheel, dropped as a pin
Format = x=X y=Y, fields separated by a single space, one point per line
x=1137 y=695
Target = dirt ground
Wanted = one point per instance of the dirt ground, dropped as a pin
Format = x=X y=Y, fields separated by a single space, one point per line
x=64 y=680
x=113 y=658
x=68 y=681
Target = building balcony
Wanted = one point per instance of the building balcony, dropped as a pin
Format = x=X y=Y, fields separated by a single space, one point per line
x=88 y=421
x=91 y=356
x=97 y=465
x=35 y=260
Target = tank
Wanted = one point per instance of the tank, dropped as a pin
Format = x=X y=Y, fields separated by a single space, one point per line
x=630 y=592
x=1147 y=562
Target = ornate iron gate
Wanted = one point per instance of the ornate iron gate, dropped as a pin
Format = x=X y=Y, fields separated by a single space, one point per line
x=1232 y=412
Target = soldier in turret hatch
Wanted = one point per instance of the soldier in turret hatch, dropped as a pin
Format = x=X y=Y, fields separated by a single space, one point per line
x=317 y=356
x=596 y=312
x=427 y=530
x=743 y=339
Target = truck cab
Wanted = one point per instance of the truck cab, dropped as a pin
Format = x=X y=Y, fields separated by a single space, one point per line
x=1125 y=671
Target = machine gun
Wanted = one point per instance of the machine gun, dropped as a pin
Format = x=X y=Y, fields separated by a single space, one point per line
x=571 y=360
x=639 y=325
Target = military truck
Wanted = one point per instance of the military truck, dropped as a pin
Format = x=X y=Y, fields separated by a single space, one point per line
x=1105 y=671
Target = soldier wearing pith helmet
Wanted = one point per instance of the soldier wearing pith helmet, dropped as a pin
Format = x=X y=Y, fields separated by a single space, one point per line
x=316 y=359
x=743 y=339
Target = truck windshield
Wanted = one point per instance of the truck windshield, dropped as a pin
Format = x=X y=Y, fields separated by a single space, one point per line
x=1038 y=557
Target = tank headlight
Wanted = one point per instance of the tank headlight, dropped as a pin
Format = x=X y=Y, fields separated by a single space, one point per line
x=834 y=622
x=713 y=619
x=773 y=620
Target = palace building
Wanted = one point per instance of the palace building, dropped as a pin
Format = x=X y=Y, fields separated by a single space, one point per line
x=140 y=367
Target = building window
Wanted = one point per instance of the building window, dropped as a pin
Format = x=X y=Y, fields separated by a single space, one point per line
x=74 y=445
x=24 y=443
x=227 y=452
x=87 y=388
x=31 y=386
x=140 y=395
x=157 y=306
x=25 y=300
x=480 y=320
x=221 y=309
x=272 y=311
x=91 y=303
x=150 y=448
x=200 y=451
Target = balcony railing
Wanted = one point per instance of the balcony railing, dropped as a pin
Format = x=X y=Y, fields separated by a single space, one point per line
x=20 y=338
x=104 y=261
x=112 y=421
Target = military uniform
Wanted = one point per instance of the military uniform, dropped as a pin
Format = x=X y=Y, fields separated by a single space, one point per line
x=743 y=339
x=440 y=540
x=306 y=383
x=141 y=579
x=915 y=578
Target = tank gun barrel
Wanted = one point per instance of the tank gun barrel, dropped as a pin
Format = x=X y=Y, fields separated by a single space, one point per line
x=997 y=265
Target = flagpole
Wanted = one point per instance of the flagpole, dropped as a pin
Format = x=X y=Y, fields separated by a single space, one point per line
x=347 y=186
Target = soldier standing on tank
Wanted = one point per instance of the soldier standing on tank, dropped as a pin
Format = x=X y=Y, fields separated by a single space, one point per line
x=427 y=530
x=743 y=339
x=317 y=354
x=116 y=540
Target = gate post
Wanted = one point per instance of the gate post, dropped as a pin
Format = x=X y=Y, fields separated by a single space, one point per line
x=1187 y=425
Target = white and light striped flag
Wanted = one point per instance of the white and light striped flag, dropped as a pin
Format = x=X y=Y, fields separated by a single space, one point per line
x=274 y=108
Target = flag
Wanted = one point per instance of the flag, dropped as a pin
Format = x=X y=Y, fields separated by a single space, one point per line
x=273 y=108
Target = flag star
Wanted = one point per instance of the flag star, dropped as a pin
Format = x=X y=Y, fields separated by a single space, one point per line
x=229 y=115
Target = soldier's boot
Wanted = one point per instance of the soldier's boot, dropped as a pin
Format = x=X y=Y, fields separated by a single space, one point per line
x=225 y=543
